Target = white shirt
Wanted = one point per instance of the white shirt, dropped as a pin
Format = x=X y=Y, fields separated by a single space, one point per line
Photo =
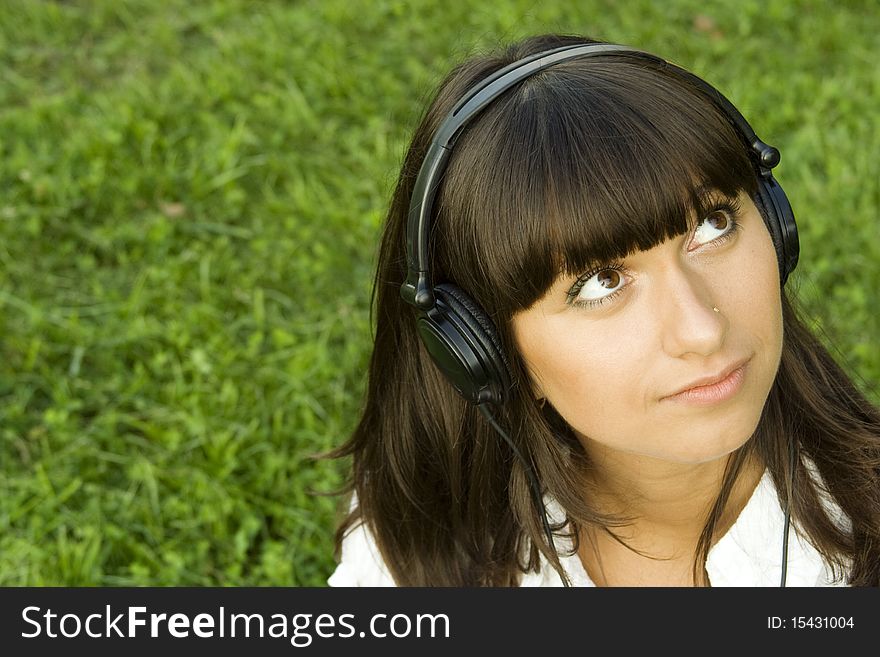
x=749 y=554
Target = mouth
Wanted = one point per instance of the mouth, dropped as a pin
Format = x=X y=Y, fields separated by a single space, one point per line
x=714 y=391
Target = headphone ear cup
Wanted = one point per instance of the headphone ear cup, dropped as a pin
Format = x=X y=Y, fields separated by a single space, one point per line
x=463 y=343
x=779 y=217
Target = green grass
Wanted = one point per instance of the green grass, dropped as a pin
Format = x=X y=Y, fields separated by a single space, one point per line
x=190 y=201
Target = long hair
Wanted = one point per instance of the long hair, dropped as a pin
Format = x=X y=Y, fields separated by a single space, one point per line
x=588 y=160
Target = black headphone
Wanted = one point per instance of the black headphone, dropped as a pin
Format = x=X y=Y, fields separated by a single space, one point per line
x=458 y=334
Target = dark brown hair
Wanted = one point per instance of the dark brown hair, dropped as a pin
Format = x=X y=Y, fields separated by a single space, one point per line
x=586 y=161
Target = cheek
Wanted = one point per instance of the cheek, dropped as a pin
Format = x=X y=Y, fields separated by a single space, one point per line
x=756 y=306
x=598 y=391
x=770 y=333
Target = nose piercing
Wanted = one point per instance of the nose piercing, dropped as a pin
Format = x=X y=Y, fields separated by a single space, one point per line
x=715 y=309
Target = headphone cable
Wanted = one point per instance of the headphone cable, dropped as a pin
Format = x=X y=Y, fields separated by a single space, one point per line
x=533 y=480
x=788 y=513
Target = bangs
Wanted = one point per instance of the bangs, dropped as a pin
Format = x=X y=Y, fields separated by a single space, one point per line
x=584 y=163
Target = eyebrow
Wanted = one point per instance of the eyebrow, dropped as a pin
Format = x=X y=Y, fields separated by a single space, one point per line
x=710 y=192
x=705 y=190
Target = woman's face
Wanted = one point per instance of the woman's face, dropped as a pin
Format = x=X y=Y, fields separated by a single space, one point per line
x=609 y=370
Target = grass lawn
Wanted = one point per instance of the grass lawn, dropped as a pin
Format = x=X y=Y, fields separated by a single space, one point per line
x=190 y=201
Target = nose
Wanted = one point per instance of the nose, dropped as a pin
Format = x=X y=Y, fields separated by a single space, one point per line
x=688 y=322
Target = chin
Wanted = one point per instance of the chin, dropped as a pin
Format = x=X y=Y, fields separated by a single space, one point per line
x=699 y=450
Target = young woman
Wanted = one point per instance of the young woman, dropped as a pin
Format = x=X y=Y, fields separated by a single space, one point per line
x=587 y=369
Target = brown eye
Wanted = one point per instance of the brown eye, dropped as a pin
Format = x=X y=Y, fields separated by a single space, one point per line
x=608 y=278
x=716 y=226
x=718 y=220
x=599 y=286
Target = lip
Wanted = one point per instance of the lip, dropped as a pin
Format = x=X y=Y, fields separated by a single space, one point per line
x=715 y=388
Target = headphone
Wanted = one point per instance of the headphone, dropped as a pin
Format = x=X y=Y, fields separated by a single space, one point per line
x=458 y=334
